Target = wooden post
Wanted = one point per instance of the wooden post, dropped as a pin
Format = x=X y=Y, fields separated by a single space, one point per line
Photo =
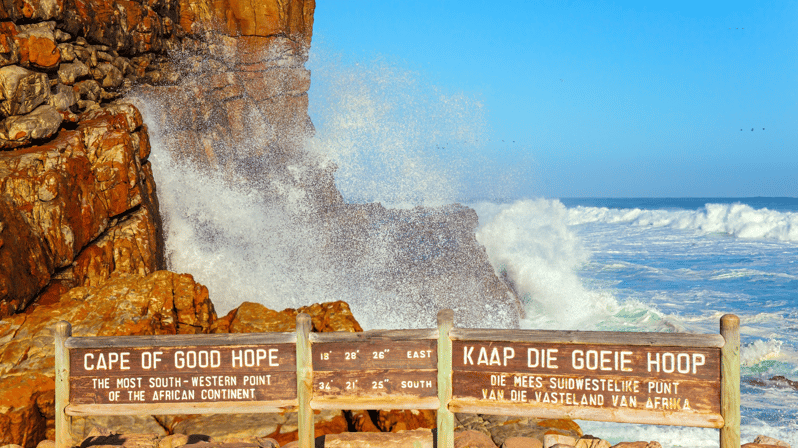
x=730 y=381
x=445 y=417
x=63 y=438
x=304 y=382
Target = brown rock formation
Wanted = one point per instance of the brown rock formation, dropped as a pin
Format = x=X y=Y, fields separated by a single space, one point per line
x=160 y=303
x=78 y=208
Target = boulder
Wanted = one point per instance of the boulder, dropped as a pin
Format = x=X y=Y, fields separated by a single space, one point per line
x=472 y=439
x=501 y=427
x=403 y=420
x=522 y=442
x=21 y=90
x=160 y=303
x=765 y=440
x=37 y=46
x=41 y=123
x=86 y=188
x=255 y=318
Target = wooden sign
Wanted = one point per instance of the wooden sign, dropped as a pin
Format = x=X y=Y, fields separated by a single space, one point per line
x=175 y=373
x=652 y=378
x=375 y=370
x=609 y=378
x=185 y=374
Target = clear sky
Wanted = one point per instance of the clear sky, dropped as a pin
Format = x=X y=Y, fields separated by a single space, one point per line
x=598 y=99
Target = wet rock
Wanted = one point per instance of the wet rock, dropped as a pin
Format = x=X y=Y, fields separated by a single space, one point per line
x=9 y=48
x=41 y=123
x=108 y=75
x=67 y=192
x=63 y=98
x=403 y=420
x=68 y=73
x=22 y=90
x=37 y=46
x=29 y=10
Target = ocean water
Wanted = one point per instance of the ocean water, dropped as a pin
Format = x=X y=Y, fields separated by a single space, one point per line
x=664 y=265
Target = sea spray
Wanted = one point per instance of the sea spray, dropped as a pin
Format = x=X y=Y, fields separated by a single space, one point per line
x=257 y=222
x=396 y=139
x=531 y=243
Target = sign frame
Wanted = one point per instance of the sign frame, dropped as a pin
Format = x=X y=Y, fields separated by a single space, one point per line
x=587 y=339
x=728 y=342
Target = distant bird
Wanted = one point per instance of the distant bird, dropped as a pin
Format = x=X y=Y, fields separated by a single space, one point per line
x=763 y=129
x=752 y=129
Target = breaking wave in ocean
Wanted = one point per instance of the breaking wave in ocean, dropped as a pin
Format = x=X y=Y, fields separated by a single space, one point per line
x=737 y=220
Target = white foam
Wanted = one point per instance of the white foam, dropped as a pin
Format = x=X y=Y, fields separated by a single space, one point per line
x=531 y=243
x=738 y=220
x=396 y=139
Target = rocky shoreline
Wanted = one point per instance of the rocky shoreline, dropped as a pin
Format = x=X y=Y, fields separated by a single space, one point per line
x=514 y=433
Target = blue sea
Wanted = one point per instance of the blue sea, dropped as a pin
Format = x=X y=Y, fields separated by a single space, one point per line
x=664 y=265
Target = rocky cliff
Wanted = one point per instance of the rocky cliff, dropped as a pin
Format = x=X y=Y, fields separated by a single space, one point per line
x=81 y=232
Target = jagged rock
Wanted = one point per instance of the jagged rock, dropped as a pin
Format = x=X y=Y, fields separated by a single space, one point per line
x=292 y=18
x=418 y=438
x=9 y=48
x=108 y=75
x=63 y=98
x=552 y=440
x=68 y=73
x=22 y=90
x=765 y=440
x=472 y=439
x=160 y=303
x=67 y=192
x=37 y=46
x=18 y=10
x=588 y=441
x=255 y=318
x=501 y=427
x=41 y=123
x=360 y=421
x=403 y=420
x=86 y=428
x=124 y=26
x=639 y=444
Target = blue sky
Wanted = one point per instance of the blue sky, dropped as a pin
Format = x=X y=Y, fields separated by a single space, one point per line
x=598 y=99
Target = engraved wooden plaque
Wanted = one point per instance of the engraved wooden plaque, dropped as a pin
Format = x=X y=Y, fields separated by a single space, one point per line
x=375 y=373
x=674 y=385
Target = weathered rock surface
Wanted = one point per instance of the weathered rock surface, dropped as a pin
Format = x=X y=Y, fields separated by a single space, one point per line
x=500 y=428
x=160 y=303
x=78 y=208
x=472 y=439
x=255 y=318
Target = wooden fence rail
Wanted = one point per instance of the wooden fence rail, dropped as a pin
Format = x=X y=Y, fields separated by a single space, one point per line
x=650 y=378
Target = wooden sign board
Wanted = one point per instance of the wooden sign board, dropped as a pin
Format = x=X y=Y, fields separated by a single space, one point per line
x=375 y=370
x=613 y=380
x=180 y=372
